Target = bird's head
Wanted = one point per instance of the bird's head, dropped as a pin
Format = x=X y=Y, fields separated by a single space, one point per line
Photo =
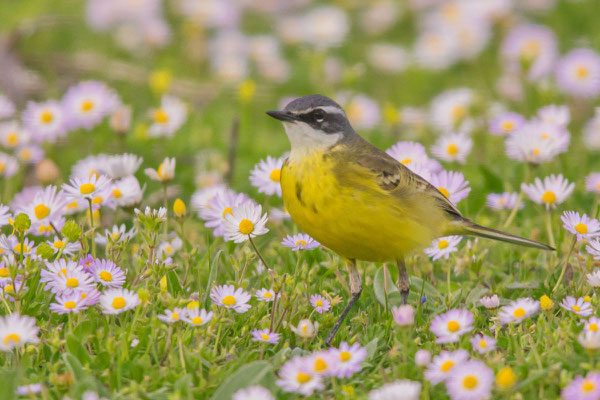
x=314 y=122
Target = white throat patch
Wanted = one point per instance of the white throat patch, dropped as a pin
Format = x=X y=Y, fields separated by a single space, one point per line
x=305 y=139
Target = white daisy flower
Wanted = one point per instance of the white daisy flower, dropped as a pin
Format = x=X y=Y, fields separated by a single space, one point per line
x=537 y=142
x=256 y=392
x=471 y=380
x=483 y=343
x=219 y=206
x=451 y=184
x=450 y=108
x=453 y=147
x=592 y=182
x=409 y=390
x=518 y=310
x=126 y=192
x=300 y=241
x=362 y=112
x=170 y=246
x=503 y=201
x=266 y=175
x=450 y=326
x=229 y=297
x=553 y=191
x=116 y=234
x=17 y=330
x=8 y=165
x=412 y=154
x=106 y=273
x=582 y=226
x=443 y=247
x=172 y=316
x=167 y=118
x=201 y=197
x=245 y=221
x=593 y=248
x=46 y=121
x=66 y=277
x=116 y=301
x=90 y=165
x=197 y=317
x=295 y=376
x=436 y=49
x=11 y=244
x=69 y=303
x=591 y=325
x=165 y=171
x=87 y=103
x=5 y=215
x=30 y=154
x=7 y=107
x=12 y=135
x=555 y=115
x=265 y=295
x=94 y=188
x=577 y=306
x=443 y=364
x=46 y=206
x=67 y=248
x=123 y=165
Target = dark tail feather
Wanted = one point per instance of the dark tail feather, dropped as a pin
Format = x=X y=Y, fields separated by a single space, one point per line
x=470 y=228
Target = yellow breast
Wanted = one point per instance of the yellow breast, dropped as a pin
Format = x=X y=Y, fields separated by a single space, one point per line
x=355 y=217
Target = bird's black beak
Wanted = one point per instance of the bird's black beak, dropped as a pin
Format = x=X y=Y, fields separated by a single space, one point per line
x=282 y=115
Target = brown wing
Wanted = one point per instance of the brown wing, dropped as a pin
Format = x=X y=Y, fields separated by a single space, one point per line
x=394 y=177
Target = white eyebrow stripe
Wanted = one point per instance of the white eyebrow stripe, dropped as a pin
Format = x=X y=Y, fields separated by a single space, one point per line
x=327 y=109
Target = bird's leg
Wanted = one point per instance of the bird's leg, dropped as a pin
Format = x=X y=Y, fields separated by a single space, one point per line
x=355 y=290
x=403 y=281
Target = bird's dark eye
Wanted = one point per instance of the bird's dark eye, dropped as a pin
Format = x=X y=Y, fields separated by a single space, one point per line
x=318 y=115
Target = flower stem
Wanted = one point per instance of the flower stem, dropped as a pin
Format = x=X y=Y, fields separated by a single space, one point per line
x=565 y=262
x=549 y=228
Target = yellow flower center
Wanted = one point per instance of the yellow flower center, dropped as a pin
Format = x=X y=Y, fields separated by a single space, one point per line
x=264 y=336
x=117 y=194
x=226 y=211
x=3 y=272
x=63 y=271
x=588 y=386
x=345 y=356
x=193 y=304
x=268 y=295
x=354 y=111
x=303 y=377
x=536 y=152
x=444 y=191
x=12 y=138
x=452 y=149
x=581 y=228
x=470 y=382
x=593 y=327
x=519 y=312
x=549 y=197
x=11 y=337
x=582 y=72
x=46 y=117
x=229 y=300
x=508 y=126
x=197 y=320
x=69 y=305
x=301 y=243
x=72 y=282
x=482 y=343
x=587 y=299
x=9 y=288
x=453 y=326
x=175 y=316
x=87 y=188
x=21 y=249
x=97 y=200
x=442 y=244
x=72 y=205
x=530 y=50
x=275 y=175
x=406 y=161
x=106 y=276
x=25 y=154
x=320 y=365
x=58 y=244
x=447 y=366
x=119 y=303
x=458 y=112
x=506 y=377
x=319 y=303
x=246 y=226
x=576 y=308
x=160 y=116
x=87 y=105
x=41 y=211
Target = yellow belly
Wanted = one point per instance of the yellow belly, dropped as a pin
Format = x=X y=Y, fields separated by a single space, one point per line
x=357 y=219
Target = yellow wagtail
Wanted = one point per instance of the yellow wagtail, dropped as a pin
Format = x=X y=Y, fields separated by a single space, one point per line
x=357 y=200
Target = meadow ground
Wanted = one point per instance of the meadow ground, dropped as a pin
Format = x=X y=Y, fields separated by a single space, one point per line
x=145 y=248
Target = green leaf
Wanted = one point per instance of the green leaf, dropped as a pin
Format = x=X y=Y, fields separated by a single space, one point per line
x=76 y=348
x=371 y=348
x=173 y=285
x=492 y=181
x=379 y=286
x=247 y=375
x=9 y=379
x=212 y=275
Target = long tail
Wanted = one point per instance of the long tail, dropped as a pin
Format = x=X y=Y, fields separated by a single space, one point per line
x=470 y=228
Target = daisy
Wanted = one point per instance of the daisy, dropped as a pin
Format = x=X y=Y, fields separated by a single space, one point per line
x=436 y=49
x=126 y=192
x=167 y=118
x=295 y=376
x=422 y=358
x=266 y=175
x=12 y=135
x=8 y=165
x=122 y=166
x=219 y=206
x=591 y=325
x=172 y=316
x=87 y=103
x=67 y=248
x=305 y=329
x=589 y=340
x=592 y=182
x=450 y=108
x=30 y=154
x=7 y=107
x=554 y=114
x=46 y=121
x=503 y=201
x=116 y=301
x=537 y=142
x=362 y=111
x=68 y=303
x=506 y=123
x=165 y=171
x=47 y=205
x=320 y=303
x=388 y=57
x=490 y=302
x=593 y=279
x=265 y=295
x=17 y=330
x=407 y=389
x=116 y=234
x=245 y=221
x=347 y=359
x=170 y=246
x=591 y=131
x=471 y=380
x=300 y=241
x=453 y=147
x=451 y=184
x=29 y=390
x=265 y=336
x=404 y=315
x=66 y=277
x=229 y=297
x=11 y=244
x=106 y=273
x=256 y=392
x=583 y=388
x=578 y=73
x=443 y=365
x=412 y=153
x=443 y=247
x=553 y=191
x=5 y=215
x=518 y=310
x=577 y=306
x=483 y=343
x=448 y=327
x=196 y=316
x=582 y=226
x=90 y=296
x=91 y=189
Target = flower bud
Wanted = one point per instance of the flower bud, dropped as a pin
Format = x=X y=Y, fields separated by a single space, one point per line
x=179 y=208
x=45 y=251
x=22 y=222
x=71 y=231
